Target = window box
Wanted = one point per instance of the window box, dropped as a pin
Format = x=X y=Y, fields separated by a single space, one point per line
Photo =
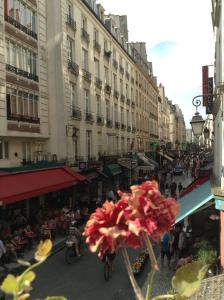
x=89 y=117
x=73 y=67
x=98 y=83
x=109 y=123
x=107 y=54
x=100 y=120
x=107 y=88
x=86 y=75
x=76 y=113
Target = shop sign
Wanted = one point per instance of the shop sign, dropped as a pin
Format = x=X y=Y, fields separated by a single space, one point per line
x=205 y=85
x=82 y=165
x=209 y=107
x=219 y=204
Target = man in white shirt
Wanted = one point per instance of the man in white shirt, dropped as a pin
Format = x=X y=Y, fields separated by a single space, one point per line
x=2 y=252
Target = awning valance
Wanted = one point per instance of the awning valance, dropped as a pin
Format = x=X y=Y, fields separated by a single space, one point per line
x=145 y=160
x=24 y=185
x=194 y=200
x=127 y=163
x=112 y=170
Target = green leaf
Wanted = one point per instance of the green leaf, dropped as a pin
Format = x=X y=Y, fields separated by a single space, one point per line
x=10 y=285
x=188 y=278
x=56 y=298
x=25 y=279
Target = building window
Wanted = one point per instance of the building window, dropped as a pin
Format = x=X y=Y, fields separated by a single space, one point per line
x=98 y=105
x=96 y=36
x=121 y=86
x=88 y=143
x=85 y=62
x=107 y=110
x=23 y=14
x=73 y=95
x=22 y=59
x=4 y=149
x=127 y=91
x=84 y=23
x=69 y=9
x=115 y=81
x=97 y=67
x=116 y=113
x=26 y=151
x=106 y=74
x=87 y=101
x=20 y=104
x=71 y=48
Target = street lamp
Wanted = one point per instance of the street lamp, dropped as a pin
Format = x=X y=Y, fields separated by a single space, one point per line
x=197 y=122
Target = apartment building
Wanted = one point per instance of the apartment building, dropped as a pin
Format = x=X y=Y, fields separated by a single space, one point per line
x=24 y=128
x=100 y=95
x=163 y=116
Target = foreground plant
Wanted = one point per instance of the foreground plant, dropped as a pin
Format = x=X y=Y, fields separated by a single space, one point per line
x=134 y=221
x=20 y=286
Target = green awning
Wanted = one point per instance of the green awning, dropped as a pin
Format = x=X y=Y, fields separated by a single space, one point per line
x=112 y=170
x=194 y=200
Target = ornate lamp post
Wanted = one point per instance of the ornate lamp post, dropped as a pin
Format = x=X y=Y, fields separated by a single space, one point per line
x=197 y=122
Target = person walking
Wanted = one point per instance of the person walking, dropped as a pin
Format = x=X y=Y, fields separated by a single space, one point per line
x=165 y=248
x=173 y=189
x=180 y=187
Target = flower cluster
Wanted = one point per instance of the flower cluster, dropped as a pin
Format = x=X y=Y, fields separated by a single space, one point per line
x=121 y=223
x=139 y=262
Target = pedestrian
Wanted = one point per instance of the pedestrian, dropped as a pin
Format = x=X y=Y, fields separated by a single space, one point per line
x=165 y=248
x=173 y=189
x=2 y=253
x=180 y=187
x=111 y=195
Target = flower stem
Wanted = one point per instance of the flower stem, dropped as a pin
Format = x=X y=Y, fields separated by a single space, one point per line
x=149 y=287
x=135 y=286
x=148 y=244
x=164 y=297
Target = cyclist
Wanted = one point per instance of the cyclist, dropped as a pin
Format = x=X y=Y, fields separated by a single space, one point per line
x=75 y=236
x=111 y=257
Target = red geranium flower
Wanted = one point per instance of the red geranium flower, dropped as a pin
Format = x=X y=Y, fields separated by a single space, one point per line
x=107 y=229
x=149 y=211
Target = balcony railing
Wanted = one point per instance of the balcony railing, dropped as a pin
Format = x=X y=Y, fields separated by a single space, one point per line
x=71 y=22
x=107 y=88
x=100 y=120
x=85 y=35
x=117 y=125
x=21 y=27
x=107 y=54
x=73 y=67
x=132 y=104
x=89 y=117
x=128 y=101
x=121 y=70
x=129 y=129
x=123 y=126
x=116 y=94
x=97 y=46
x=127 y=75
x=76 y=113
x=98 y=83
x=22 y=118
x=133 y=129
x=86 y=75
x=109 y=123
x=115 y=63
x=122 y=97
x=22 y=73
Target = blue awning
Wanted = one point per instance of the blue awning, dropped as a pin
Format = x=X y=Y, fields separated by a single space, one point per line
x=194 y=200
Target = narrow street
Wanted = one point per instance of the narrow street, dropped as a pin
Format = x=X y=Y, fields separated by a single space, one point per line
x=84 y=279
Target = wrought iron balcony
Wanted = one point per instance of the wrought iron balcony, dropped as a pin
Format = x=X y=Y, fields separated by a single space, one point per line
x=132 y=104
x=107 y=54
x=128 y=101
x=73 y=67
x=123 y=126
x=109 y=123
x=133 y=129
x=122 y=97
x=127 y=75
x=86 y=75
x=117 y=125
x=116 y=94
x=107 y=88
x=71 y=22
x=129 y=128
x=97 y=46
x=121 y=70
x=76 y=113
x=23 y=118
x=89 y=117
x=100 y=120
x=115 y=64
x=21 y=27
x=23 y=73
x=85 y=35
x=98 y=83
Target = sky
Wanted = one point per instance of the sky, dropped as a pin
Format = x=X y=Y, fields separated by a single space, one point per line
x=179 y=39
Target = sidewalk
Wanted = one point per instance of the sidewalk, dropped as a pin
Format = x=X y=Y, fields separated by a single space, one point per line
x=14 y=267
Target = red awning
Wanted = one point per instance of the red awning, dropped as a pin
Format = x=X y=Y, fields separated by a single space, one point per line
x=23 y=185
